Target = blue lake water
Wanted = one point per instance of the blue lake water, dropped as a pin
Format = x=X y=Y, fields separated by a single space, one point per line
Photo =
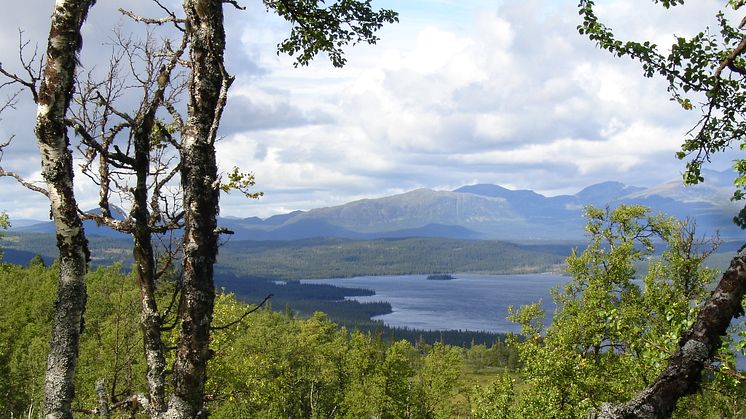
x=469 y=302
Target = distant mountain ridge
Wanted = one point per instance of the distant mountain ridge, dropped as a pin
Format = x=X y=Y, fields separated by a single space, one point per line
x=481 y=211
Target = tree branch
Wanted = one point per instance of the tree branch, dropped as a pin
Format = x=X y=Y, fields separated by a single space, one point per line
x=240 y=319
x=26 y=184
x=171 y=305
x=151 y=21
x=697 y=347
x=33 y=75
x=118 y=225
x=731 y=58
x=235 y=4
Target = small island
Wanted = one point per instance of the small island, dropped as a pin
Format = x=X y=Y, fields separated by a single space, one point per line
x=440 y=277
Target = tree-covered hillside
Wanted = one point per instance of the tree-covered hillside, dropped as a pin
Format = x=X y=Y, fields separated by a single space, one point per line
x=270 y=365
x=609 y=337
x=330 y=258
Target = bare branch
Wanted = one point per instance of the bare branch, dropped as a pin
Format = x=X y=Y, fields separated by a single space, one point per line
x=235 y=4
x=108 y=105
x=158 y=188
x=171 y=14
x=33 y=73
x=117 y=159
x=240 y=319
x=30 y=84
x=119 y=225
x=10 y=103
x=151 y=21
x=171 y=305
x=26 y=184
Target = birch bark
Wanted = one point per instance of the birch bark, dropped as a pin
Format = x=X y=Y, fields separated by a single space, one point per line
x=55 y=92
x=207 y=92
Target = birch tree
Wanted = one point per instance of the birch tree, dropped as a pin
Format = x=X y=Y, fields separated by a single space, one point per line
x=53 y=99
x=52 y=91
x=705 y=73
x=121 y=148
x=317 y=28
x=208 y=89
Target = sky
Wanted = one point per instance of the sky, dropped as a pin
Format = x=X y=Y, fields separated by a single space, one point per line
x=458 y=92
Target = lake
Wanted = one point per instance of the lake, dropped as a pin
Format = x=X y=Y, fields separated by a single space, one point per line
x=468 y=302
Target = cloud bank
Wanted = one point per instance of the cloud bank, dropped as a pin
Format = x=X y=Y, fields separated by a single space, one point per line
x=456 y=93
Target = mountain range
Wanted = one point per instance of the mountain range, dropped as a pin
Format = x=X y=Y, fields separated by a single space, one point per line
x=482 y=211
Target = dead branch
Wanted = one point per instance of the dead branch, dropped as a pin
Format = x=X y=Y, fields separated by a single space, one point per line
x=32 y=73
x=235 y=4
x=240 y=319
x=26 y=184
x=31 y=85
x=151 y=21
x=119 y=225
x=10 y=103
x=117 y=158
x=171 y=305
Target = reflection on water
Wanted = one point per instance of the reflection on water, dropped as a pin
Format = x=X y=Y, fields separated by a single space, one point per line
x=469 y=302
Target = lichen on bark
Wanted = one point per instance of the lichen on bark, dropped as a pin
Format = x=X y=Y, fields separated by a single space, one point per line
x=208 y=82
x=55 y=92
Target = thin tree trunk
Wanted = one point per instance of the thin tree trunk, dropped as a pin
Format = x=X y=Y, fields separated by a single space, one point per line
x=53 y=102
x=207 y=88
x=696 y=348
x=143 y=254
x=144 y=258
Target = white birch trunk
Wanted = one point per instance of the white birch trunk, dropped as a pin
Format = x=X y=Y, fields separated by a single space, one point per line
x=55 y=92
x=207 y=89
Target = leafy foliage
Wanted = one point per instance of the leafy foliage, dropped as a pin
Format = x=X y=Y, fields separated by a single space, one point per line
x=708 y=67
x=273 y=367
x=612 y=332
x=25 y=314
x=270 y=365
x=241 y=182
x=495 y=401
x=4 y=224
x=318 y=27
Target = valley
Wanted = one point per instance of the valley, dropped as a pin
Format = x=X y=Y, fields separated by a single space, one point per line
x=420 y=232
